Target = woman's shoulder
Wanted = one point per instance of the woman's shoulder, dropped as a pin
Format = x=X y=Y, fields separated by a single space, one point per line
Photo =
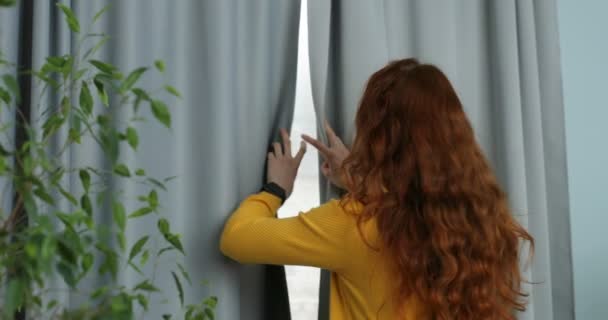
x=346 y=205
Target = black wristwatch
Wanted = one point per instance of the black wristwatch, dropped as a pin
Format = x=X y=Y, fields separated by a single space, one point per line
x=276 y=190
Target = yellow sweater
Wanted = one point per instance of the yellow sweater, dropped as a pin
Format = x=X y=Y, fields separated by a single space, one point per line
x=324 y=237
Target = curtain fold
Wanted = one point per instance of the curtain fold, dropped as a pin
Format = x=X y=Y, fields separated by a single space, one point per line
x=503 y=59
x=235 y=65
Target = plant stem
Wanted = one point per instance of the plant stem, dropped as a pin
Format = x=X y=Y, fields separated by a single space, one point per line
x=10 y=221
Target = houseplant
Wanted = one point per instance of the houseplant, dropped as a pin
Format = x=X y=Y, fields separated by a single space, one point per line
x=50 y=228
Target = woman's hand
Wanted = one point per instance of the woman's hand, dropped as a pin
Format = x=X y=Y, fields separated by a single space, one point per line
x=333 y=155
x=282 y=166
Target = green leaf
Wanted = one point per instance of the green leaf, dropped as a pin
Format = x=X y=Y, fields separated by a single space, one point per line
x=66 y=106
x=80 y=73
x=89 y=222
x=211 y=302
x=86 y=100
x=4 y=152
x=87 y=262
x=7 y=3
x=153 y=199
x=14 y=296
x=101 y=92
x=51 y=125
x=85 y=203
x=70 y=18
x=140 y=172
x=166 y=316
x=109 y=143
x=66 y=273
x=110 y=264
x=163 y=226
x=145 y=286
x=49 y=81
x=5 y=96
x=100 y=13
x=56 y=175
x=103 y=66
x=141 y=95
x=173 y=91
x=74 y=135
x=160 y=65
x=173 y=239
x=52 y=304
x=122 y=170
x=67 y=195
x=122 y=242
x=119 y=215
x=180 y=290
x=54 y=64
x=140 y=212
x=132 y=265
x=13 y=86
x=161 y=112
x=28 y=166
x=67 y=220
x=143 y=301
x=68 y=244
x=157 y=183
x=121 y=306
x=104 y=121
x=99 y=292
x=42 y=194
x=209 y=314
x=184 y=273
x=85 y=179
x=62 y=64
x=144 y=257
x=188 y=315
x=96 y=48
x=132 y=137
x=131 y=79
x=167 y=179
x=137 y=247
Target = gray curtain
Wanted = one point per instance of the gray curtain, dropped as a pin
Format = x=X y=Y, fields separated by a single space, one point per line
x=503 y=59
x=235 y=65
x=9 y=22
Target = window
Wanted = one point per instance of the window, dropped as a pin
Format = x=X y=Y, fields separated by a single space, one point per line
x=303 y=282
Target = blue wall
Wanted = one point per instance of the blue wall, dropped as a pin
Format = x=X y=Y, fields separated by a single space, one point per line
x=584 y=50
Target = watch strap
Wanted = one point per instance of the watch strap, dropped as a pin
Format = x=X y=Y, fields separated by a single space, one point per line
x=276 y=190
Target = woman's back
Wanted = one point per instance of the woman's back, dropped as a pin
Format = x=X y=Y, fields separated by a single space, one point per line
x=367 y=287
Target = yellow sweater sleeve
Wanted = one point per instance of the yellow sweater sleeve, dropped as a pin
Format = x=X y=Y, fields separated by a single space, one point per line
x=254 y=234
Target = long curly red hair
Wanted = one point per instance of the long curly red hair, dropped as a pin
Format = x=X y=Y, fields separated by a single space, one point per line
x=441 y=215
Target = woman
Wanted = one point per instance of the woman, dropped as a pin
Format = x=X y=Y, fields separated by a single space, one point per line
x=424 y=230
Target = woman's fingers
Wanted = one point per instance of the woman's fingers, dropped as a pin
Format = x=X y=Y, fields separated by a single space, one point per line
x=286 y=142
x=331 y=135
x=300 y=155
x=317 y=144
x=278 y=152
